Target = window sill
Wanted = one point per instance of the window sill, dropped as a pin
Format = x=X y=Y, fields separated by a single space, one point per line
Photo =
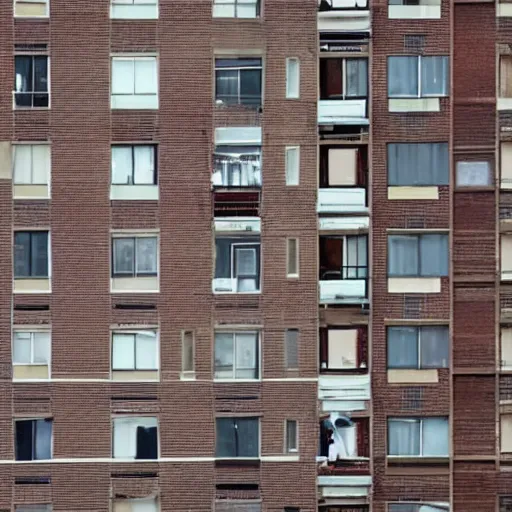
x=135 y=375
x=134 y=192
x=216 y=292
x=257 y=19
x=32 y=285
x=188 y=376
x=134 y=285
x=423 y=104
x=414 y=284
x=235 y=381
x=30 y=109
x=408 y=193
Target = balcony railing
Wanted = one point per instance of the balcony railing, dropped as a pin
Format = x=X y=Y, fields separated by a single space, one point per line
x=332 y=112
x=236 y=204
x=354 y=466
x=342 y=200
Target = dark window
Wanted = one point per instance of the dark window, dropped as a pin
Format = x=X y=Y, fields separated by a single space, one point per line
x=238 y=81
x=238 y=437
x=135 y=256
x=135 y=438
x=418 y=347
x=343 y=257
x=147 y=444
x=31 y=80
x=34 y=439
x=30 y=254
x=342 y=79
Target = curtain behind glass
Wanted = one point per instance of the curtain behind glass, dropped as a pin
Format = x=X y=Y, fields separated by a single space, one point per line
x=122 y=165
x=435 y=437
x=434 y=347
x=123 y=351
x=225 y=437
x=39 y=254
x=404 y=437
x=43 y=439
x=402 y=347
x=144 y=165
x=224 y=355
x=248 y=437
x=357 y=78
x=434 y=255
x=402 y=76
x=22 y=348
x=146 y=350
x=226 y=85
x=146 y=260
x=403 y=255
x=124 y=256
x=246 y=354
x=434 y=76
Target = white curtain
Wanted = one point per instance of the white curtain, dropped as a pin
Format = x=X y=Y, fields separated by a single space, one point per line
x=435 y=437
x=146 y=80
x=292 y=77
x=357 y=77
x=434 y=255
x=122 y=76
x=403 y=77
x=402 y=347
x=43 y=440
x=473 y=174
x=22 y=164
x=224 y=355
x=125 y=438
x=404 y=437
x=246 y=8
x=122 y=165
x=403 y=255
x=292 y=165
x=146 y=350
x=41 y=341
x=144 y=165
x=245 y=351
x=146 y=255
x=434 y=76
x=22 y=348
x=123 y=351
x=40 y=164
x=435 y=347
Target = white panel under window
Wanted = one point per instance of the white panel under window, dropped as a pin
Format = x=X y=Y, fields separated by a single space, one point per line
x=292 y=165
x=243 y=135
x=342 y=167
x=473 y=174
x=342 y=348
x=123 y=351
x=292 y=77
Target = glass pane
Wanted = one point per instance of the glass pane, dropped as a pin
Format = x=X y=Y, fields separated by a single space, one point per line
x=402 y=347
x=226 y=85
x=124 y=256
x=434 y=344
x=22 y=254
x=39 y=255
x=248 y=437
x=246 y=355
x=403 y=76
x=292 y=348
x=24 y=73
x=435 y=437
x=146 y=81
x=434 y=76
x=225 y=438
x=123 y=351
x=41 y=347
x=43 y=440
x=403 y=437
x=245 y=262
x=123 y=79
x=292 y=165
x=250 y=86
x=22 y=348
x=146 y=255
x=23 y=164
x=40 y=100
x=122 y=165
x=146 y=351
x=41 y=74
x=291 y=435
x=40 y=164
x=434 y=255
x=473 y=174
x=357 y=77
x=224 y=355
x=144 y=165
x=403 y=255
x=292 y=78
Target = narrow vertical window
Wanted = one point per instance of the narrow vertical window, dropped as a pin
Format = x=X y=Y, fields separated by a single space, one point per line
x=291 y=441
x=292 y=165
x=292 y=257
x=292 y=349
x=292 y=77
x=188 y=352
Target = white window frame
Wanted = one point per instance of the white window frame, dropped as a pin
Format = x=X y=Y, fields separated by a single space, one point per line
x=15 y=147
x=420 y=95
x=235 y=4
x=46 y=2
x=32 y=341
x=289 y=181
x=135 y=4
x=135 y=274
x=290 y=93
x=234 y=333
x=134 y=58
x=134 y=333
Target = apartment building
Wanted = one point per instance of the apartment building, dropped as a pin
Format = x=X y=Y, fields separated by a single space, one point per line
x=256 y=256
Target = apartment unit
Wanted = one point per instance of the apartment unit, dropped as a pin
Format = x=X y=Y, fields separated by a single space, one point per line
x=256 y=256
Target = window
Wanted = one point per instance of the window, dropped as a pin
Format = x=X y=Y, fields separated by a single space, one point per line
x=291 y=439
x=417 y=255
x=291 y=340
x=343 y=257
x=135 y=438
x=292 y=77
x=187 y=352
x=418 y=347
x=135 y=350
x=343 y=167
x=31 y=8
x=414 y=2
x=236 y=355
x=134 y=9
x=238 y=81
x=418 y=76
x=473 y=174
x=343 y=349
x=418 y=164
x=31 y=86
x=343 y=79
x=236 y=8
x=31 y=164
x=136 y=505
x=135 y=256
x=413 y=437
x=506 y=76
x=237 y=265
x=134 y=82
x=418 y=507
x=292 y=257
x=237 y=166
x=33 y=439
x=31 y=347
x=30 y=254
x=134 y=165
x=292 y=165
x=32 y=508
x=235 y=505
x=238 y=437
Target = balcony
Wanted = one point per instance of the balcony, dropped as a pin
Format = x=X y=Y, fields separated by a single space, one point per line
x=333 y=112
x=343 y=16
x=344 y=392
x=342 y=200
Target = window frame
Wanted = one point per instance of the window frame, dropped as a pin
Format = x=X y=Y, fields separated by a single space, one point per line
x=344 y=80
x=134 y=274
x=235 y=419
x=418 y=330
x=34 y=421
x=30 y=249
x=33 y=92
x=15 y=148
x=235 y=4
x=418 y=249
x=257 y=368
x=32 y=342
x=291 y=441
x=134 y=333
x=419 y=95
x=399 y=506
x=226 y=175
x=239 y=70
x=133 y=147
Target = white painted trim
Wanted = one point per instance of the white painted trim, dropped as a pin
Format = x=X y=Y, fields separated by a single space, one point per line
x=233 y=381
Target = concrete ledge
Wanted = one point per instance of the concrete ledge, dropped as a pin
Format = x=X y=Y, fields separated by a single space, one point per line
x=414 y=285
x=134 y=284
x=31 y=192
x=30 y=371
x=413 y=193
x=135 y=375
x=406 y=376
x=32 y=285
